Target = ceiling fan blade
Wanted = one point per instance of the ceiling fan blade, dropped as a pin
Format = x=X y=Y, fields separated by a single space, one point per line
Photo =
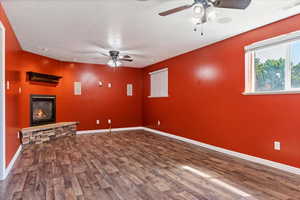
x=125 y=56
x=175 y=10
x=292 y=5
x=104 y=54
x=234 y=4
x=126 y=59
x=85 y=52
x=91 y=52
x=94 y=58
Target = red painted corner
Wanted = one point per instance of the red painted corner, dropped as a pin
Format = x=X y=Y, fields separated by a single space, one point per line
x=206 y=102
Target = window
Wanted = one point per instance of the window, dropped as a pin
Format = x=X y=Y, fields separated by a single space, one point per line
x=159 y=83
x=273 y=66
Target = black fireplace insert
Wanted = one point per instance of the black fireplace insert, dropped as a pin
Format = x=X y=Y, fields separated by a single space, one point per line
x=42 y=109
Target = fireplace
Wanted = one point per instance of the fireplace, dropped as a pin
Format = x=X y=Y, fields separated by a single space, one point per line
x=42 y=109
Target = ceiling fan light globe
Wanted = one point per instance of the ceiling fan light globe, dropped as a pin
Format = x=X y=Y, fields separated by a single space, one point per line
x=211 y=13
x=118 y=63
x=111 y=63
x=198 y=11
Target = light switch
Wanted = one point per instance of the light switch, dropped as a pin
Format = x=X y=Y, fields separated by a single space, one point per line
x=129 y=89
x=77 y=88
x=277 y=146
x=109 y=85
x=7 y=85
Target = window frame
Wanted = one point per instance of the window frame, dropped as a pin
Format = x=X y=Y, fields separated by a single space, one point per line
x=159 y=71
x=250 y=76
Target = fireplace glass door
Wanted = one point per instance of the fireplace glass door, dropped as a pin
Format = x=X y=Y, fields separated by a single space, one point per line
x=42 y=109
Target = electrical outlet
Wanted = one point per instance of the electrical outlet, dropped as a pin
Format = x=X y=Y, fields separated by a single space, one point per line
x=277 y=146
x=97 y=122
x=158 y=123
x=109 y=121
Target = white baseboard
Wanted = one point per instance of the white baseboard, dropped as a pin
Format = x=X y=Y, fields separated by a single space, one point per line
x=12 y=162
x=107 y=130
x=269 y=163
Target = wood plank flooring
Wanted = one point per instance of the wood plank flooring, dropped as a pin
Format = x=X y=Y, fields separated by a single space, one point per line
x=138 y=165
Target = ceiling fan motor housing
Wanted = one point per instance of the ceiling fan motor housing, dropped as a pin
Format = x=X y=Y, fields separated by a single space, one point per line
x=205 y=3
x=114 y=54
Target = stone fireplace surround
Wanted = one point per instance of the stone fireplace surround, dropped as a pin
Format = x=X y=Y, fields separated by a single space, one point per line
x=45 y=133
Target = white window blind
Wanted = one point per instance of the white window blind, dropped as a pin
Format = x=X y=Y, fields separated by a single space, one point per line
x=159 y=83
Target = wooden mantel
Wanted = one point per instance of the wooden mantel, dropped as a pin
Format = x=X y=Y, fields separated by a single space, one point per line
x=38 y=77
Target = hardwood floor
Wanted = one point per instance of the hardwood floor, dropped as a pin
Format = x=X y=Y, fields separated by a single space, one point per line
x=140 y=165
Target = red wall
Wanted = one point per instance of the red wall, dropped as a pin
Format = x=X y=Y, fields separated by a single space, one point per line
x=206 y=101
x=95 y=103
x=12 y=51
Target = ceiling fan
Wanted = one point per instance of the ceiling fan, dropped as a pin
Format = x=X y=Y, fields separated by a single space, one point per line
x=115 y=58
x=204 y=9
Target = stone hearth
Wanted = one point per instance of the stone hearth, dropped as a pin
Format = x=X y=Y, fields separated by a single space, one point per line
x=45 y=133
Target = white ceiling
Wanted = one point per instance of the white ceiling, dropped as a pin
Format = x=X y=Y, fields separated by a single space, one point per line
x=71 y=30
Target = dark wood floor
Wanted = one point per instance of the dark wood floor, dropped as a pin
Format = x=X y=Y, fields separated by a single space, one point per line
x=140 y=165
